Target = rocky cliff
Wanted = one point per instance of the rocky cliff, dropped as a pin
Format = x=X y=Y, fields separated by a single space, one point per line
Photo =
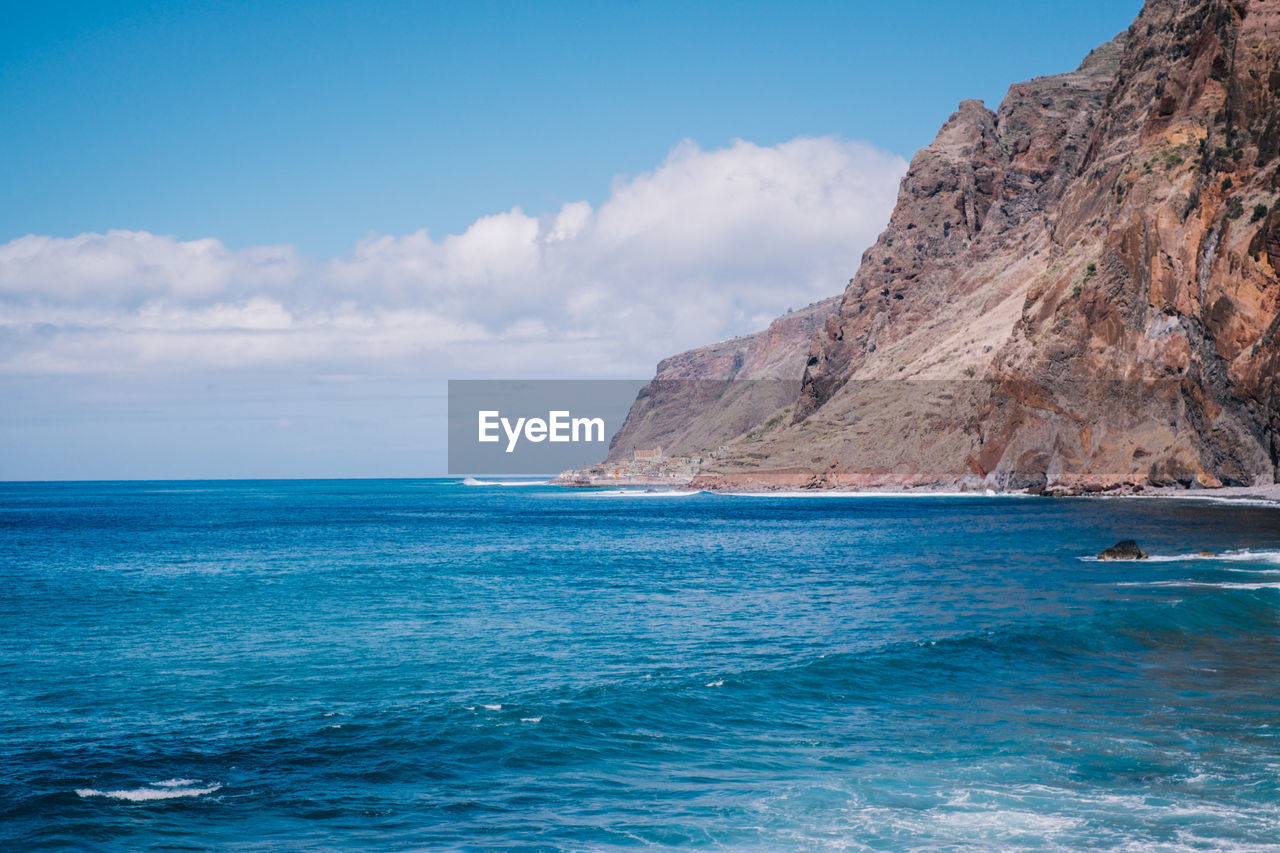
x=1077 y=291
x=708 y=396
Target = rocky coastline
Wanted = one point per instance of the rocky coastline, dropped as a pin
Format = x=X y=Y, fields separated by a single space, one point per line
x=1076 y=293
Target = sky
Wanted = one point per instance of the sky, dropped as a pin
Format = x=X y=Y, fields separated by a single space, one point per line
x=255 y=239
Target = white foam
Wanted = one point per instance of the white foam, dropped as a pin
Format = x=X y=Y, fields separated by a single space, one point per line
x=1212 y=584
x=1175 y=558
x=472 y=481
x=1247 y=556
x=719 y=683
x=662 y=492
x=530 y=719
x=1229 y=500
x=1047 y=818
x=1243 y=555
x=643 y=493
x=170 y=789
x=493 y=707
x=832 y=493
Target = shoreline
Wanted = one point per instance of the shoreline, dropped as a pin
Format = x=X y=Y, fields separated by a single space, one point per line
x=1268 y=495
x=1265 y=495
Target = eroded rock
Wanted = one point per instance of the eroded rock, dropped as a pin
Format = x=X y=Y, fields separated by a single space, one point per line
x=1126 y=549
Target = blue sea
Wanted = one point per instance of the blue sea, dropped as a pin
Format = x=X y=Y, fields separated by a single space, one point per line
x=430 y=665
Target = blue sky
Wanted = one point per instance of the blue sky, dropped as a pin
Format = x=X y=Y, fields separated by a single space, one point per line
x=316 y=123
x=255 y=239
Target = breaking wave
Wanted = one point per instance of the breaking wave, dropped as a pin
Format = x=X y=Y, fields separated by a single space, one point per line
x=1243 y=555
x=645 y=493
x=170 y=789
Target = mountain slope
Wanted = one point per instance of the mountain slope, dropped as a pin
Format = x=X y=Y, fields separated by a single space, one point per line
x=1074 y=292
x=709 y=396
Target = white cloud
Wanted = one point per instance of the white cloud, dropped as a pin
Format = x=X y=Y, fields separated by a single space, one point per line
x=126 y=266
x=707 y=245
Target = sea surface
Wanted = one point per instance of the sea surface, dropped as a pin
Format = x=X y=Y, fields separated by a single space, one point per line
x=431 y=665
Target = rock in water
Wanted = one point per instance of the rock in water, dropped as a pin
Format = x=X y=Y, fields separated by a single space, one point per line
x=1126 y=550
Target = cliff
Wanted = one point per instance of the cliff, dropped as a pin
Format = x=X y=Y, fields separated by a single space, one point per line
x=706 y=397
x=1077 y=291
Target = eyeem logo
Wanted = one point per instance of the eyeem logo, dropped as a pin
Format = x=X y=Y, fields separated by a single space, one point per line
x=534 y=426
x=559 y=426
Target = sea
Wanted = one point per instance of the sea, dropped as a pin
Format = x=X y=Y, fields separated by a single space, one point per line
x=396 y=665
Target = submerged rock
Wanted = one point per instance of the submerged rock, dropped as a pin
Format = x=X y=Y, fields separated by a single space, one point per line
x=1125 y=550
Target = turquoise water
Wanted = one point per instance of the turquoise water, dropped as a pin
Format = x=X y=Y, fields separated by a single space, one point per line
x=407 y=665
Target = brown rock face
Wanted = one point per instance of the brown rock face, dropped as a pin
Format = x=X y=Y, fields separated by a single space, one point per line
x=1076 y=292
x=945 y=283
x=705 y=397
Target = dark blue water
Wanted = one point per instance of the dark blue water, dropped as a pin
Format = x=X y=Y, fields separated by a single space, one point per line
x=396 y=665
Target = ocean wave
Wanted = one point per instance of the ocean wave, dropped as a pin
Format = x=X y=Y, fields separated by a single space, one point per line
x=1242 y=555
x=1227 y=500
x=1246 y=555
x=1210 y=584
x=170 y=789
x=472 y=481
x=910 y=664
x=1019 y=817
x=832 y=493
x=643 y=493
